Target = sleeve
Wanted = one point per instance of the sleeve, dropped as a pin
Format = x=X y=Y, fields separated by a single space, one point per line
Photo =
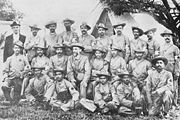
x=157 y=46
x=28 y=90
x=73 y=91
x=177 y=61
x=70 y=71
x=87 y=70
x=28 y=45
x=122 y=97
x=60 y=40
x=51 y=62
x=123 y=66
x=130 y=69
x=6 y=68
x=98 y=97
x=6 y=52
x=114 y=95
x=168 y=86
x=33 y=62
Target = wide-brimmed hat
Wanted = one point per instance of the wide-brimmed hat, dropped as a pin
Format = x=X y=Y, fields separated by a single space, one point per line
x=101 y=25
x=35 y=26
x=125 y=73
x=114 y=47
x=69 y=20
x=40 y=46
x=141 y=32
x=167 y=32
x=19 y=43
x=77 y=45
x=58 y=70
x=50 y=23
x=101 y=49
x=121 y=24
x=37 y=67
x=152 y=29
x=15 y=23
x=139 y=50
x=84 y=24
x=164 y=59
x=106 y=74
x=58 y=46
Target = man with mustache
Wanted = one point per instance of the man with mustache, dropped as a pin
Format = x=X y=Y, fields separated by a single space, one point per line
x=137 y=42
x=171 y=52
x=159 y=88
x=121 y=41
x=52 y=38
x=79 y=69
x=32 y=41
x=86 y=39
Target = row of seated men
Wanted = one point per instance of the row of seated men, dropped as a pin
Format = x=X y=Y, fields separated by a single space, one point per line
x=102 y=80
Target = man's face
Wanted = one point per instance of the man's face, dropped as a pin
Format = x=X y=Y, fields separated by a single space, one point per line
x=101 y=31
x=76 y=51
x=98 y=54
x=59 y=51
x=150 y=35
x=168 y=38
x=103 y=79
x=67 y=24
x=16 y=49
x=114 y=52
x=160 y=65
x=52 y=28
x=136 y=33
x=37 y=72
x=126 y=79
x=34 y=31
x=118 y=30
x=139 y=55
x=83 y=30
x=59 y=76
x=15 y=29
x=40 y=52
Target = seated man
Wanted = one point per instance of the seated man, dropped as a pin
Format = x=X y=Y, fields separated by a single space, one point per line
x=159 y=88
x=13 y=74
x=105 y=95
x=64 y=95
x=129 y=95
x=35 y=91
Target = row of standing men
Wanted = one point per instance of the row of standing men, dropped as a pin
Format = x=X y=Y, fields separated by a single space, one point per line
x=84 y=58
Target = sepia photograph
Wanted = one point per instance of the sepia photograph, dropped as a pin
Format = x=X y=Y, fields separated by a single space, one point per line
x=89 y=59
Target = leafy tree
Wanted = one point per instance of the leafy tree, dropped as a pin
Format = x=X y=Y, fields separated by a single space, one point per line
x=166 y=12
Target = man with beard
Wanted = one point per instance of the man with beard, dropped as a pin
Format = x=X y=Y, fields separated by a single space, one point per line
x=121 y=41
x=15 y=66
x=63 y=94
x=79 y=69
x=117 y=63
x=137 y=43
x=52 y=38
x=9 y=41
x=153 y=46
x=98 y=65
x=85 y=39
x=139 y=68
x=159 y=88
x=171 y=52
x=32 y=41
x=59 y=61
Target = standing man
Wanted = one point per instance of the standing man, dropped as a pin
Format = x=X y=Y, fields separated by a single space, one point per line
x=52 y=38
x=137 y=42
x=171 y=52
x=13 y=75
x=139 y=67
x=121 y=41
x=79 y=69
x=32 y=41
x=159 y=88
x=16 y=36
x=152 y=45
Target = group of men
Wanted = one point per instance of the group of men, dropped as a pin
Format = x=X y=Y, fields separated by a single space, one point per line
x=107 y=74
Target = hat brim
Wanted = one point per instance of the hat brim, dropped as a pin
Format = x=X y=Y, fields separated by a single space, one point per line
x=55 y=47
x=47 y=26
x=87 y=26
x=122 y=75
x=62 y=71
x=105 y=28
x=40 y=68
x=106 y=75
x=19 y=45
x=15 y=25
x=77 y=46
x=162 y=34
x=153 y=30
x=35 y=28
x=139 y=51
x=141 y=32
x=159 y=58
x=123 y=25
x=36 y=47
x=71 y=21
x=98 y=50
